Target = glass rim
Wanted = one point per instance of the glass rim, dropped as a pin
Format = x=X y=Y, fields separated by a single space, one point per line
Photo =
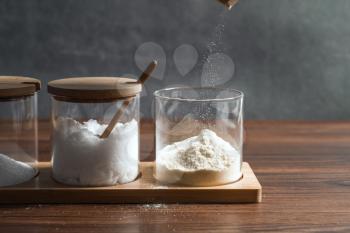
x=238 y=94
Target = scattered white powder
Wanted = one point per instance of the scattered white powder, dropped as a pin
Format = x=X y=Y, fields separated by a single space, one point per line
x=202 y=160
x=14 y=172
x=80 y=157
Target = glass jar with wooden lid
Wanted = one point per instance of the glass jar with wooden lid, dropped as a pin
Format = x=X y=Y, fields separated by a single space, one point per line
x=18 y=129
x=95 y=130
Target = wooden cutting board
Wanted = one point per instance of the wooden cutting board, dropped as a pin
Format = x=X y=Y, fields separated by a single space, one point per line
x=43 y=189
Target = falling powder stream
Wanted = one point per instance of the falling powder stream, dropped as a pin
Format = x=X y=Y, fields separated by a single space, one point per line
x=214 y=46
x=215 y=65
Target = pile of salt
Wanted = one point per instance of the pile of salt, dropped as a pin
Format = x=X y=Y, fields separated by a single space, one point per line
x=81 y=157
x=14 y=172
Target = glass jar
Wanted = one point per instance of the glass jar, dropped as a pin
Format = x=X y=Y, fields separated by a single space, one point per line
x=83 y=154
x=199 y=136
x=18 y=129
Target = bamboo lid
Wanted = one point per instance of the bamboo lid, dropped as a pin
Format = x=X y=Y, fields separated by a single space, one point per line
x=17 y=86
x=94 y=88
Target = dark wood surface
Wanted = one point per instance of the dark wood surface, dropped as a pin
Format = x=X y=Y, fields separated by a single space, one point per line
x=304 y=168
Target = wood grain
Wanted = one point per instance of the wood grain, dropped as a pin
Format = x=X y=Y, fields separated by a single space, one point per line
x=92 y=89
x=303 y=167
x=18 y=86
x=145 y=189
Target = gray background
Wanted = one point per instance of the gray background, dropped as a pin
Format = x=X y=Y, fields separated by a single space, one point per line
x=292 y=57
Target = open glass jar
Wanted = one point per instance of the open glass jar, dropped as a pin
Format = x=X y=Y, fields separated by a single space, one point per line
x=81 y=110
x=18 y=129
x=199 y=136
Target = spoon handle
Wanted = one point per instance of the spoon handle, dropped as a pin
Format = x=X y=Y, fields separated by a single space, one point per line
x=144 y=76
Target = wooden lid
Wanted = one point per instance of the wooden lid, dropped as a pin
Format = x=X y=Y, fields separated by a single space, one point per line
x=94 y=88
x=17 y=86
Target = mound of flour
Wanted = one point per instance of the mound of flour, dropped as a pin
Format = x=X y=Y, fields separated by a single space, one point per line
x=202 y=160
x=14 y=172
x=80 y=157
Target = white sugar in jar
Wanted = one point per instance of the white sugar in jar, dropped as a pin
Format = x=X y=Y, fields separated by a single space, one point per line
x=81 y=110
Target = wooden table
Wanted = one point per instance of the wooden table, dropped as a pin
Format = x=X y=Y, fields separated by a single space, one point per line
x=304 y=168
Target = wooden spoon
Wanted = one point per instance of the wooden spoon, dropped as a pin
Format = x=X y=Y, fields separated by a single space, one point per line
x=144 y=76
x=229 y=3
